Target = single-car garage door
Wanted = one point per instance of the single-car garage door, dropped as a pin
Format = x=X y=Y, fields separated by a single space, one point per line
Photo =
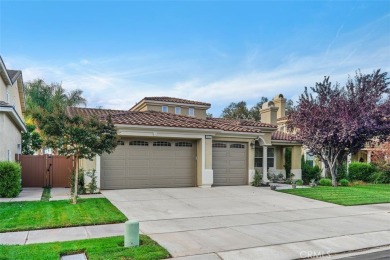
x=230 y=163
x=149 y=164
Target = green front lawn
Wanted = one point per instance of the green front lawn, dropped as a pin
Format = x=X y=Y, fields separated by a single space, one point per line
x=30 y=215
x=99 y=248
x=347 y=196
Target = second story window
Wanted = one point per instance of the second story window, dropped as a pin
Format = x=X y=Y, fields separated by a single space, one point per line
x=164 y=109
x=178 y=110
x=191 y=112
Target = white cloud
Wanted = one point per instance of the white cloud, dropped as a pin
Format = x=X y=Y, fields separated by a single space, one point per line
x=119 y=82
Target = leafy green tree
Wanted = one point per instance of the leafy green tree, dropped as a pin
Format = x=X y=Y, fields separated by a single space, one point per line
x=78 y=137
x=240 y=110
x=236 y=111
x=43 y=97
x=31 y=140
x=289 y=106
x=255 y=110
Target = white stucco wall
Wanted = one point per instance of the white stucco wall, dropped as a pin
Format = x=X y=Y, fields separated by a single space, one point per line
x=10 y=137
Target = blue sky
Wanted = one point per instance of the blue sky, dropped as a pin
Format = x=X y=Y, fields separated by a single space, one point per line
x=214 y=51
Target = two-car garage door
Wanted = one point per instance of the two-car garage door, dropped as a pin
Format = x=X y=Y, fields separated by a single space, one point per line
x=149 y=164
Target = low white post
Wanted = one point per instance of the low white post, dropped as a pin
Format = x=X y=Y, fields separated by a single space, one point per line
x=131 y=233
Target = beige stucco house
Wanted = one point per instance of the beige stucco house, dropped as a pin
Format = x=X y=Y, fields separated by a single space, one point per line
x=12 y=107
x=169 y=142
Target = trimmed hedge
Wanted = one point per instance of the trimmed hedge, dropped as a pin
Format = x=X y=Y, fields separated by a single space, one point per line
x=325 y=182
x=299 y=182
x=10 y=179
x=358 y=171
x=344 y=182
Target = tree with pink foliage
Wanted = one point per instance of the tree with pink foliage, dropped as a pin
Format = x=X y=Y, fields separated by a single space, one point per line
x=335 y=121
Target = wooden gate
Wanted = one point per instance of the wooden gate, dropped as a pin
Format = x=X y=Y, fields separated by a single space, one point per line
x=45 y=170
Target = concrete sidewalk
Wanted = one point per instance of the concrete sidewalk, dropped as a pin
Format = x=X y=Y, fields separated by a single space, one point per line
x=64 y=194
x=27 y=194
x=61 y=234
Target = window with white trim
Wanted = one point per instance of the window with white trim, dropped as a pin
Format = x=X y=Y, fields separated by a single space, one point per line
x=219 y=145
x=191 y=111
x=161 y=143
x=177 y=110
x=183 y=144
x=164 y=109
x=119 y=142
x=259 y=156
x=139 y=143
x=240 y=146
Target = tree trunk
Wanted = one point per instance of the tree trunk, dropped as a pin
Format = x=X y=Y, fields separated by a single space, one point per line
x=76 y=180
x=333 y=172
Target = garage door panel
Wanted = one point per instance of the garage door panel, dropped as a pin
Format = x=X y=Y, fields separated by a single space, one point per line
x=139 y=153
x=237 y=164
x=230 y=164
x=162 y=154
x=114 y=163
x=234 y=155
x=219 y=153
x=137 y=166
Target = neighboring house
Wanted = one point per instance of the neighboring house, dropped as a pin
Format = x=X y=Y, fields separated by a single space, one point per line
x=12 y=107
x=169 y=142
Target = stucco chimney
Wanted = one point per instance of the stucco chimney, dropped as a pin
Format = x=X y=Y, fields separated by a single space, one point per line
x=280 y=102
x=268 y=113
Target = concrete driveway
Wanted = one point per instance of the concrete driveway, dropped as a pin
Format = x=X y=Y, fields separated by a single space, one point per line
x=244 y=222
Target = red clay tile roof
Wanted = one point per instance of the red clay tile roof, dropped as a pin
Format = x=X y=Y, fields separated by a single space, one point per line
x=87 y=112
x=176 y=100
x=242 y=122
x=154 y=118
x=282 y=136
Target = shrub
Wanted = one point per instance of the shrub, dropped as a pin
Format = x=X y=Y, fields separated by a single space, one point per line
x=380 y=177
x=341 y=172
x=325 y=182
x=80 y=183
x=10 y=179
x=357 y=183
x=287 y=162
x=257 y=178
x=344 y=182
x=360 y=171
x=92 y=185
x=299 y=182
x=309 y=172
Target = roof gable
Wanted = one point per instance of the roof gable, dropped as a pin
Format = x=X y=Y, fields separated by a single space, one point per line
x=170 y=100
